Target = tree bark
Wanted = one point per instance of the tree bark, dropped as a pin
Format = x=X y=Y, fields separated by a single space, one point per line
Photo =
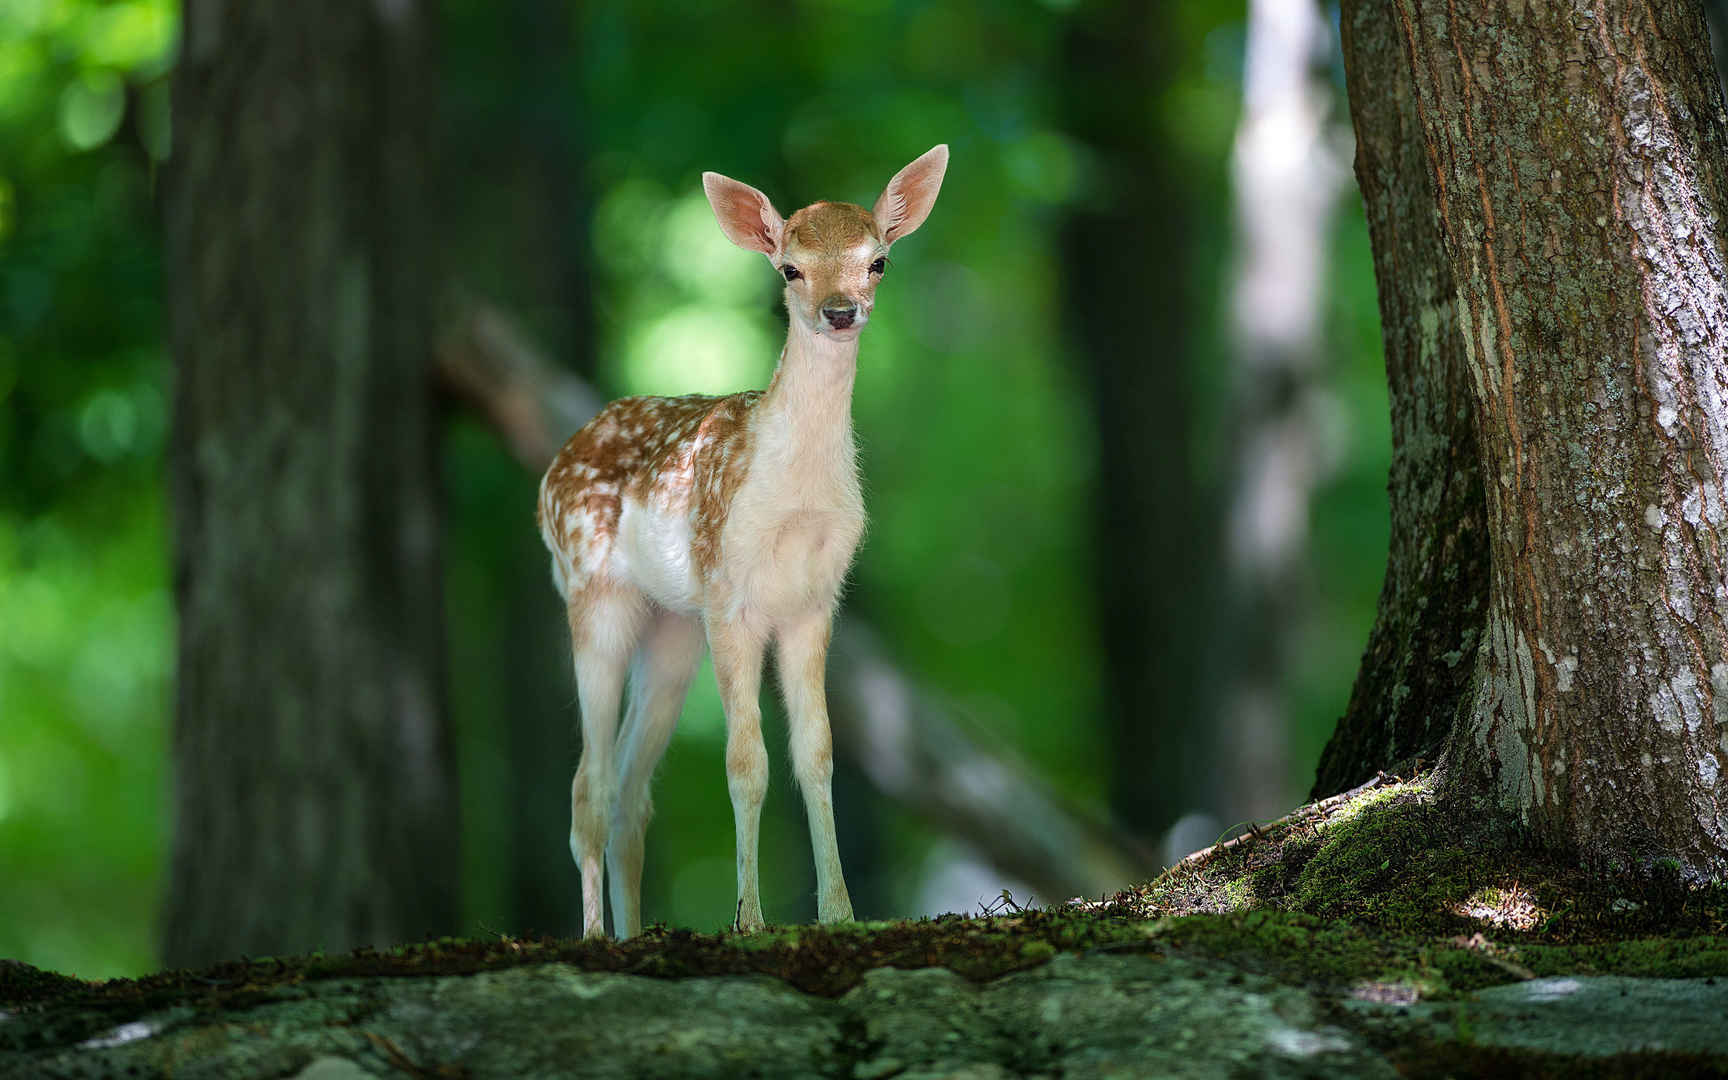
x=1420 y=656
x=314 y=793
x=1577 y=160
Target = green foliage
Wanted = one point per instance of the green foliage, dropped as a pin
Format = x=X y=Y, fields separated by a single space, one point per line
x=571 y=150
x=85 y=631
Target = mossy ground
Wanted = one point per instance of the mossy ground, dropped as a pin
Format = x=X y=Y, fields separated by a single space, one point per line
x=1389 y=886
x=1383 y=894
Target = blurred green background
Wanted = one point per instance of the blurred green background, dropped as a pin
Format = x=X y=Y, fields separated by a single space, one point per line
x=571 y=144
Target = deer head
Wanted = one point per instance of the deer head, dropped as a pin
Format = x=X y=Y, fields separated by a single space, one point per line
x=831 y=254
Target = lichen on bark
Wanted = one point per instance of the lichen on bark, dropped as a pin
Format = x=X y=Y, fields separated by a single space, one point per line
x=1576 y=161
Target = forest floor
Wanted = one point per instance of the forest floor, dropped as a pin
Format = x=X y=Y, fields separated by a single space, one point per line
x=1371 y=933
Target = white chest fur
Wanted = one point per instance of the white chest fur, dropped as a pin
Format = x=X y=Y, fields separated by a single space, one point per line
x=796 y=521
x=739 y=517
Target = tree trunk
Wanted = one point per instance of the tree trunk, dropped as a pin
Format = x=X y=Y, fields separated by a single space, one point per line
x=1580 y=183
x=1131 y=318
x=552 y=207
x=1417 y=667
x=314 y=797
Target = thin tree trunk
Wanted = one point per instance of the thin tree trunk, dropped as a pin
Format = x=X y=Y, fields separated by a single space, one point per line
x=314 y=795
x=547 y=146
x=1287 y=184
x=1577 y=159
x=1129 y=297
x=1416 y=671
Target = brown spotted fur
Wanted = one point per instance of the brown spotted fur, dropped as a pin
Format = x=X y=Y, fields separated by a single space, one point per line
x=726 y=521
x=687 y=453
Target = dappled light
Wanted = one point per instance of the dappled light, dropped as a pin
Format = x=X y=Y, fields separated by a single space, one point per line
x=1510 y=907
x=698 y=350
x=532 y=541
x=566 y=162
x=90 y=109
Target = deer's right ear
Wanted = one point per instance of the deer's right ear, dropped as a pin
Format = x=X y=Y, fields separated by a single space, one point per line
x=746 y=216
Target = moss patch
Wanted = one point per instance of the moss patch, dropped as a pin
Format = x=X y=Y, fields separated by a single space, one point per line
x=821 y=960
x=1381 y=894
x=1387 y=887
x=1394 y=860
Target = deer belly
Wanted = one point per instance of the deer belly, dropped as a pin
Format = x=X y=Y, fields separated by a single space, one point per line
x=656 y=558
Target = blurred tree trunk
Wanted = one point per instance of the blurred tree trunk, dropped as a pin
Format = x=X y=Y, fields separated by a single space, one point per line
x=545 y=891
x=314 y=795
x=1129 y=295
x=1433 y=606
x=1581 y=183
x=1288 y=180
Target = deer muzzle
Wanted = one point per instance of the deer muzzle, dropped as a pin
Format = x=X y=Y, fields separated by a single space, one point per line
x=839 y=312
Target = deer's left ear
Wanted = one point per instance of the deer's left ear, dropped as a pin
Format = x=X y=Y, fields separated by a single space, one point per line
x=906 y=201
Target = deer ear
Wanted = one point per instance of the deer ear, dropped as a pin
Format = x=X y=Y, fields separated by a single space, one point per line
x=906 y=201
x=746 y=216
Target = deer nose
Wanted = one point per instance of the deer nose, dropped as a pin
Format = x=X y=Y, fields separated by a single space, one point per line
x=839 y=312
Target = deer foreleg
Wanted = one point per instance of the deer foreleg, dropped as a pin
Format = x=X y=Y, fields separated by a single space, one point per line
x=803 y=648
x=738 y=652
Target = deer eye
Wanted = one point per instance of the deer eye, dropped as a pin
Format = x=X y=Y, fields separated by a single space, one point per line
x=792 y=272
x=879 y=266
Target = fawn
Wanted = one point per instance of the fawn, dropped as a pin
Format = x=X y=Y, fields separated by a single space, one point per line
x=734 y=519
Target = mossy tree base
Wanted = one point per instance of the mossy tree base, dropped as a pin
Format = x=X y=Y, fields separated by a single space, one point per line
x=1370 y=937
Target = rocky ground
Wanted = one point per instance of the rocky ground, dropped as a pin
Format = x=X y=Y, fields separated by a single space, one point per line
x=1365 y=936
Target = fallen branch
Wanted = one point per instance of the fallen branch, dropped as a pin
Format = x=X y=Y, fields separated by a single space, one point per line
x=1310 y=812
x=484 y=361
x=913 y=751
x=918 y=753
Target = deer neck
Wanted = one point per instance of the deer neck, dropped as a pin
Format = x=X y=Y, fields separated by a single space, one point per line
x=809 y=401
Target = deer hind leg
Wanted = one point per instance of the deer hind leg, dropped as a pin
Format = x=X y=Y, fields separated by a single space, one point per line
x=603 y=628
x=738 y=649
x=660 y=677
x=803 y=653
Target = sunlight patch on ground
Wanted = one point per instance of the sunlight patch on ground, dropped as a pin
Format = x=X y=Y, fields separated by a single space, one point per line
x=1379 y=992
x=120 y=1036
x=1351 y=808
x=1510 y=908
